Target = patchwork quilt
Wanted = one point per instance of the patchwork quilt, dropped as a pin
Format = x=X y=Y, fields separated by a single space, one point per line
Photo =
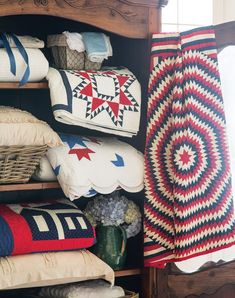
x=41 y=227
x=107 y=100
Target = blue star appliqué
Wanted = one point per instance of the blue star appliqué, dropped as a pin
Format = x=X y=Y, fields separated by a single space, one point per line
x=57 y=170
x=73 y=140
x=119 y=162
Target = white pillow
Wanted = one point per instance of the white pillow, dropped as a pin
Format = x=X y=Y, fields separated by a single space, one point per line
x=44 y=269
x=21 y=128
x=101 y=164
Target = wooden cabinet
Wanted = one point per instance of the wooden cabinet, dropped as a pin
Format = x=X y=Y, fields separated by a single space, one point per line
x=129 y=23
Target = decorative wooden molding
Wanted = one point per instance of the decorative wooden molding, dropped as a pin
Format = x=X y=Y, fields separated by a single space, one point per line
x=204 y=282
x=128 y=18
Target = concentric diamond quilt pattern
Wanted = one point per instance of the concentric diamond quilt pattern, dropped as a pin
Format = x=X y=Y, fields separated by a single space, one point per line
x=189 y=205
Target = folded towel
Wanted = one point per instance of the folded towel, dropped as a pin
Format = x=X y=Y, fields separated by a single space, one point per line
x=108 y=100
x=97 y=45
x=74 y=41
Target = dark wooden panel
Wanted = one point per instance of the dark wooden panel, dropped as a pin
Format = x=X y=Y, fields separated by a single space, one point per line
x=126 y=18
x=204 y=282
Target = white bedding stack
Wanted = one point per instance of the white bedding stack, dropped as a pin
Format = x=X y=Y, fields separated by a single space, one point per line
x=38 y=63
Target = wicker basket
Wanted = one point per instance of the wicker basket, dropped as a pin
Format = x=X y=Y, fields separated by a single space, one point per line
x=17 y=163
x=65 y=58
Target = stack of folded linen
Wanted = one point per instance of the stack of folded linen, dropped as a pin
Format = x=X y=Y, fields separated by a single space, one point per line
x=89 y=165
x=91 y=289
x=108 y=100
x=96 y=44
x=21 y=59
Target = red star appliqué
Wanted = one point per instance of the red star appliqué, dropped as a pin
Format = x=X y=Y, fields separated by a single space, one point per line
x=81 y=153
x=94 y=140
x=91 y=91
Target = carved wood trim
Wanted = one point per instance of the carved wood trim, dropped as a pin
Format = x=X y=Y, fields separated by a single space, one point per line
x=207 y=281
x=124 y=17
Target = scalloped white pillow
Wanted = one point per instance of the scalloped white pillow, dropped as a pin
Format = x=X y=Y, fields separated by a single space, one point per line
x=77 y=174
x=21 y=128
x=45 y=269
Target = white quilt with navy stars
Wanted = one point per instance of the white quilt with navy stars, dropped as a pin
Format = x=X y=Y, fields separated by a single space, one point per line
x=108 y=100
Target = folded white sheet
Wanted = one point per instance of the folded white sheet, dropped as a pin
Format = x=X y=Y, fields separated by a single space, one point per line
x=38 y=65
x=87 y=289
x=74 y=41
x=27 y=41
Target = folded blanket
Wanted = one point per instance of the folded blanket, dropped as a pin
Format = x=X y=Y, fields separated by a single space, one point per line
x=97 y=45
x=88 y=289
x=27 y=42
x=108 y=100
x=101 y=164
x=38 y=65
x=74 y=41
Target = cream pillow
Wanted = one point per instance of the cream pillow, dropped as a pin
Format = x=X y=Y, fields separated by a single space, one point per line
x=21 y=128
x=45 y=269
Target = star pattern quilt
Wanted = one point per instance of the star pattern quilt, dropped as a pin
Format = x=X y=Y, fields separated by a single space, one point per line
x=107 y=100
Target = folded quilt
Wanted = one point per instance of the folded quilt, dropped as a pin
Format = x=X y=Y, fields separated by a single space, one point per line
x=38 y=65
x=100 y=164
x=27 y=41
x=108 y=100
x=91 y=289
x=97 y=45
x=56 y=225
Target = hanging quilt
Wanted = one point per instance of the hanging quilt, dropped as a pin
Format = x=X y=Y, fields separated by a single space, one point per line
x=107 y=100
x=189 y=204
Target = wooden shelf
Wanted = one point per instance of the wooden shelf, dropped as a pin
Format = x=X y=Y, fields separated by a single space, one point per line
x=128 y=272
x=29 y=186
x=15 y=85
